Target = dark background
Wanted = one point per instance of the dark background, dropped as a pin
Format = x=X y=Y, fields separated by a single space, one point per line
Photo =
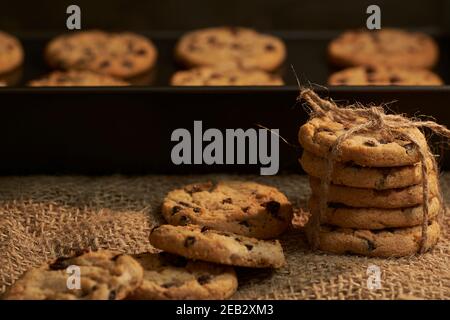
x=46 y=15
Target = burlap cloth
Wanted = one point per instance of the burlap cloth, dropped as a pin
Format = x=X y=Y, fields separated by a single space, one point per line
x=41 y=217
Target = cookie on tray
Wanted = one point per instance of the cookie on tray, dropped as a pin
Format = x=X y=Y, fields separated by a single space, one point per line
x=246 y=208
x=217 y=76
x=104 y=275
x=245 y=47
x=372 y=198
x=121 y=55
x=75 y=78
x=384 y=76
x=376 y=243
x=387 y=47
x=353 y=175
x=201 y=243
x=167 y=276
x=373 y=218
x=319 y=135
x=11 y=53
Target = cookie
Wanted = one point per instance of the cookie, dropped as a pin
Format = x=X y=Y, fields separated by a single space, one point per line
x=76 y=78
x=2 y=84
x=245 y=47
x=376 y=243
x=201 y=243
x=319 y=135
x=372 y=198
x=168 y=276
x=103 y=275
x=353 y=175
x=121 y=55
x=216 y=76
x=11 y=52
x=386 y=47
x=240 y=207
x=373 y=218
x=384 y=76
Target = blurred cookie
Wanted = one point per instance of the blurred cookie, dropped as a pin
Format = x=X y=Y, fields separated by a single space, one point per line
x=245 y=47
x=201 y=243
x=104 y=275
x=214 y=76
x=120 y=55
x=384 y=76
x=167 y=276
x=75 y=78
x=386 y=47
x=11 y=52
x=241 y=207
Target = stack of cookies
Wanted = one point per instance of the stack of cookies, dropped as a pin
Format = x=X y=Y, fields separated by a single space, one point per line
x=373 y=205
x=228 y=56
x=384 y=57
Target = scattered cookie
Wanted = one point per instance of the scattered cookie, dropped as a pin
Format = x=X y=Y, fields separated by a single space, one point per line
x=11 y=52
x=201 y=243
x=387 y=47
x=353 y=175
x=167 y=276
x=77 y=78
x=104 y=275
x=245 y=208
x=121 y=55
x=214 y=76
x=245 y=47
x=371 y=198
x=365 y=149
x=376 y=243
x=384 y=76
x=373 y=218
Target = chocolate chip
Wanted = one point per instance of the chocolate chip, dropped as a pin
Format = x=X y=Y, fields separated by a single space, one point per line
x=112 y=295
x=197 y=210
x=127 y=63
x=236 y=46
x=168 y=285
x=193 y=47
x=394 y=79
x=185 y=204
x=207 y=186
x=104 y=64
x=215 y=75
x=245 y=224
x=370 y=245
x=227 y=200
x=140 y=52
x=336 y=205
x=60 y=264
x=176 y=209
x=232 y=79
x=272 y=206
x=370 y=70
x=370 y=143
x=116 y=257
x=184 y=220
x=249 y=247
x=189 y=241
x=269 y=47
x=204 y=229
x=246 y=209
x=204 y=279
x=211 y=40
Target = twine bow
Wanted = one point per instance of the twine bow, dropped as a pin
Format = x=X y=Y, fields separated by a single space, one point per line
x=371 y=119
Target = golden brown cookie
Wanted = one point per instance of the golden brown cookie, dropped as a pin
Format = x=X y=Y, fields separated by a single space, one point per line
x=103 y=275
x=201 y=243
x=245 y=47
x=11 y=52
x=76 y=78
x=386 y=47
x=384 y=76
x=167 y=276
x=121 y=55
x=246 y=208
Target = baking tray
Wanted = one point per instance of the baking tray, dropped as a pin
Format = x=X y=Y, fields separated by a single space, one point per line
x=128 y=129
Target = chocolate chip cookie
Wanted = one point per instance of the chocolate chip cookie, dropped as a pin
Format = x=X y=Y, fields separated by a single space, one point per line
x=372 y=198
x=201 y=243
x=245 y=208
x=11 y=52
x=167 y=276
x=245 y=47
x=376 y=243
x=384 y=76
x=373 y=218
x=319 y=135
x=121 y=55
x=216 y=76
x=76 y=78
x=386 y=47
x=352 y=175
x=103 y=275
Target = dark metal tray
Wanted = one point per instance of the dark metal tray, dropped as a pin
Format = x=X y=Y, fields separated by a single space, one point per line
x=128 y=129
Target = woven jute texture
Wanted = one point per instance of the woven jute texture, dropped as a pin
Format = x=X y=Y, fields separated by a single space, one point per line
x=42 y=217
